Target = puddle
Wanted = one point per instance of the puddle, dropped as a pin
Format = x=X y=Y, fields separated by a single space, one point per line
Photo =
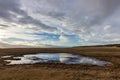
x=64 y=58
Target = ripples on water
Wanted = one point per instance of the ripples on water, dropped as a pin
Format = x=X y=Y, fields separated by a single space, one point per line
x=64 y=58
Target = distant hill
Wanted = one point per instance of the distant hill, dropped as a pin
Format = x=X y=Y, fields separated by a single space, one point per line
x=114 y=45
x=107 y=45
x=6 y=45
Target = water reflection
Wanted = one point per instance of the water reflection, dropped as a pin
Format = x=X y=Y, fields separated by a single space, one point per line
x=64 y=58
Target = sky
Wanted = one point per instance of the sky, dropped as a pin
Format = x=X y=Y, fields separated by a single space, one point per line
x=59 y=23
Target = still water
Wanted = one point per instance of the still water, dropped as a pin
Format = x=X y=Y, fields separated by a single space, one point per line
x=64 y=58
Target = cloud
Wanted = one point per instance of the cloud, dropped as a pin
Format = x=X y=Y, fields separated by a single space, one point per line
x=92 y=21
x=63 y=38
x=11 y=11
x=107 y=27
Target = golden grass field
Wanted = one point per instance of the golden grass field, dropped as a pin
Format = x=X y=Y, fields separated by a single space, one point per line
x=50 y=71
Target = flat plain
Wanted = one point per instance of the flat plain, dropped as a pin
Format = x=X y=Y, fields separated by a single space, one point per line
x=50 y=71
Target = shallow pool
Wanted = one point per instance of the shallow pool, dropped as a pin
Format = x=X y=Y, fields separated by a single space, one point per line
x=64 y=58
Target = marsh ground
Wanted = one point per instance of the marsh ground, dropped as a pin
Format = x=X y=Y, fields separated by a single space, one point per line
x=51 y=71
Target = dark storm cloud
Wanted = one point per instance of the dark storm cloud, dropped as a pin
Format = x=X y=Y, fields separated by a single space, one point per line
x=109 y=7
x=4 y=25
x=81 y=13
x=87 y=19
x=39 y=25
x=7 y=7
x=98 y=10
x=57 y=15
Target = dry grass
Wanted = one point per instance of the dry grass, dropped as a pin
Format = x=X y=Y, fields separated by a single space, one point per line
x=51 y=71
